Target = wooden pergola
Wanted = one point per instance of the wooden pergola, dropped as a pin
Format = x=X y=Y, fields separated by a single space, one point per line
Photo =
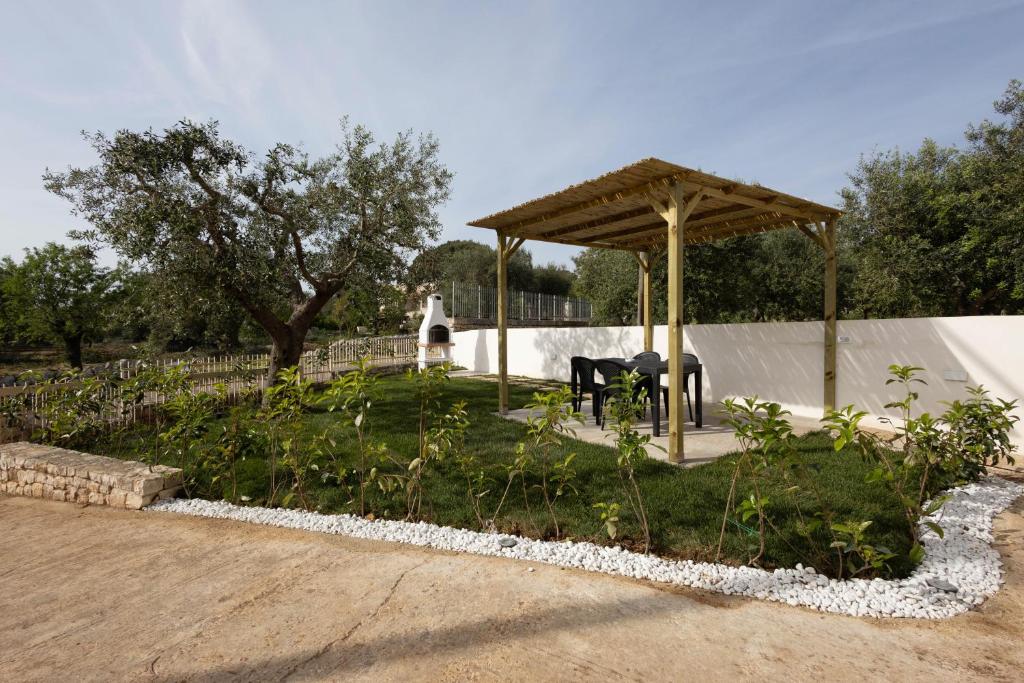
x=651 y=207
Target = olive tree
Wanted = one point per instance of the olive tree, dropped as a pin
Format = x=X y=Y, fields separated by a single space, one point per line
x=59 y=293
x=280 y=233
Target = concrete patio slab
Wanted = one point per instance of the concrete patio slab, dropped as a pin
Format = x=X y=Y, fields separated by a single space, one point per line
x=710 y=442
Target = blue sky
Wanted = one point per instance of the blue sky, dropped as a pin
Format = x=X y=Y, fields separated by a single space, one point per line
x=525 y=97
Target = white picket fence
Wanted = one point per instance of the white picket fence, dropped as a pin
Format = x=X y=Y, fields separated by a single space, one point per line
x=317 y=365
x=237 y=374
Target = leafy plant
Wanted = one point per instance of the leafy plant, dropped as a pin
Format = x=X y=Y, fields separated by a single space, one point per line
x=925 y=454
x=71 y=410
x=547 y=425
x=610 y=517
x=860 y=556
x=979 y=431
x=354 y=393
x=626 y=407
x=284 y=403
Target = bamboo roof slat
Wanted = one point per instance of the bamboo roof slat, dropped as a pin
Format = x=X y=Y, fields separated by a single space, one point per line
x=616 y=210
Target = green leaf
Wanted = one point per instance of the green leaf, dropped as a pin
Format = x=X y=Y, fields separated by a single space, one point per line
x=916 y=553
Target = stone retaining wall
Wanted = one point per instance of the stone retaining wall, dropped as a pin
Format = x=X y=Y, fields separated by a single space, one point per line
x=28 y=469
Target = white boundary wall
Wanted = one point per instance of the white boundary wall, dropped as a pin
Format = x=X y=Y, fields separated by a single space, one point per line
x=783 y=361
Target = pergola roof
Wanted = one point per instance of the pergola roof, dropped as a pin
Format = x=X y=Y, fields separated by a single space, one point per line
x=614 y=211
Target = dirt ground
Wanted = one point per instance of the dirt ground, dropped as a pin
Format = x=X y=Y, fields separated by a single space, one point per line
x=98 y=594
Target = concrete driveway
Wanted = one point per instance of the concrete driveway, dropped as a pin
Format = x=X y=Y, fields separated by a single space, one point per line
x=89 y=593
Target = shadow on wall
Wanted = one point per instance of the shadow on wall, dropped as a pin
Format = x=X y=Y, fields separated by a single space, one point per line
x=784 y=362
x=955 y=353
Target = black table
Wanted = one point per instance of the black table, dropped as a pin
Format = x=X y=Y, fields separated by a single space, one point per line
x=655 y=371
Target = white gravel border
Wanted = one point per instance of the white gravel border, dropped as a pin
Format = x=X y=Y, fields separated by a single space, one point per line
x=959 y=570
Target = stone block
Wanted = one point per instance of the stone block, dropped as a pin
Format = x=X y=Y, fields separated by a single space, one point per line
x=135 y=501
x=116 y=498
x=149 y=485
x=59 y=474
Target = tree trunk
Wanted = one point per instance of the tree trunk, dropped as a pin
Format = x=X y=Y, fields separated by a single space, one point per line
x=73 y=350
x=285 y=352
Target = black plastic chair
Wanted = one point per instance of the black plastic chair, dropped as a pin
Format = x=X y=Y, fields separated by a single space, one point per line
x=648 y=356
x=611 y=371
x=586 y=384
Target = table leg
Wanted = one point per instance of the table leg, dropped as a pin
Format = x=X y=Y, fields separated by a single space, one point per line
x=698 y=380
x=656 y=402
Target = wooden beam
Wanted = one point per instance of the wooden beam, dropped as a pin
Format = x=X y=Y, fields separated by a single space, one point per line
x=698 y=236
x=514 y=247
x=503 y=256
x=828 y=237
x=598 y=222
x=811 y=234
x=603 y=200
x=714 y=193
x=659 y=208
x=703 y=218
x=678 y=210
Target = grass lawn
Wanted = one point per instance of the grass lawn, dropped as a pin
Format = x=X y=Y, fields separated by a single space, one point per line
x=685 y=506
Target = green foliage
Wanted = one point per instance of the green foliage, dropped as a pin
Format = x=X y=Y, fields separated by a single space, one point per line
x=353 y=394
x=60 y=294
x=979 y=431
x=239 y=439
x=468 y=262
x=547 y=427
x=927 y=454
x=72 y=410
x=380 y=309
x=182 y=441
x=774 y=276
x=242 y=449
x=626 y=407
x=936 y=232
x=553 y=279
x=860 y=556
x=610 y=517
x=284 y=404
x=438 y=436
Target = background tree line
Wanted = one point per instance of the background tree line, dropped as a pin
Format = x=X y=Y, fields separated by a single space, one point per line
x=935 y=232
x=220 y=246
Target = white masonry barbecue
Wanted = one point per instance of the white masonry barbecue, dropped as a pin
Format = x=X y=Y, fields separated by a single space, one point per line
x=435 y=343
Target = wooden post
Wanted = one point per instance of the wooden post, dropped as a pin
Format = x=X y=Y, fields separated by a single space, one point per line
x=648 y=301
x=502 y=324
x=639 y=287
x=675 y=325
x=829 y=240
x=506 y=248
x=644 y=303
x=675 y=214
